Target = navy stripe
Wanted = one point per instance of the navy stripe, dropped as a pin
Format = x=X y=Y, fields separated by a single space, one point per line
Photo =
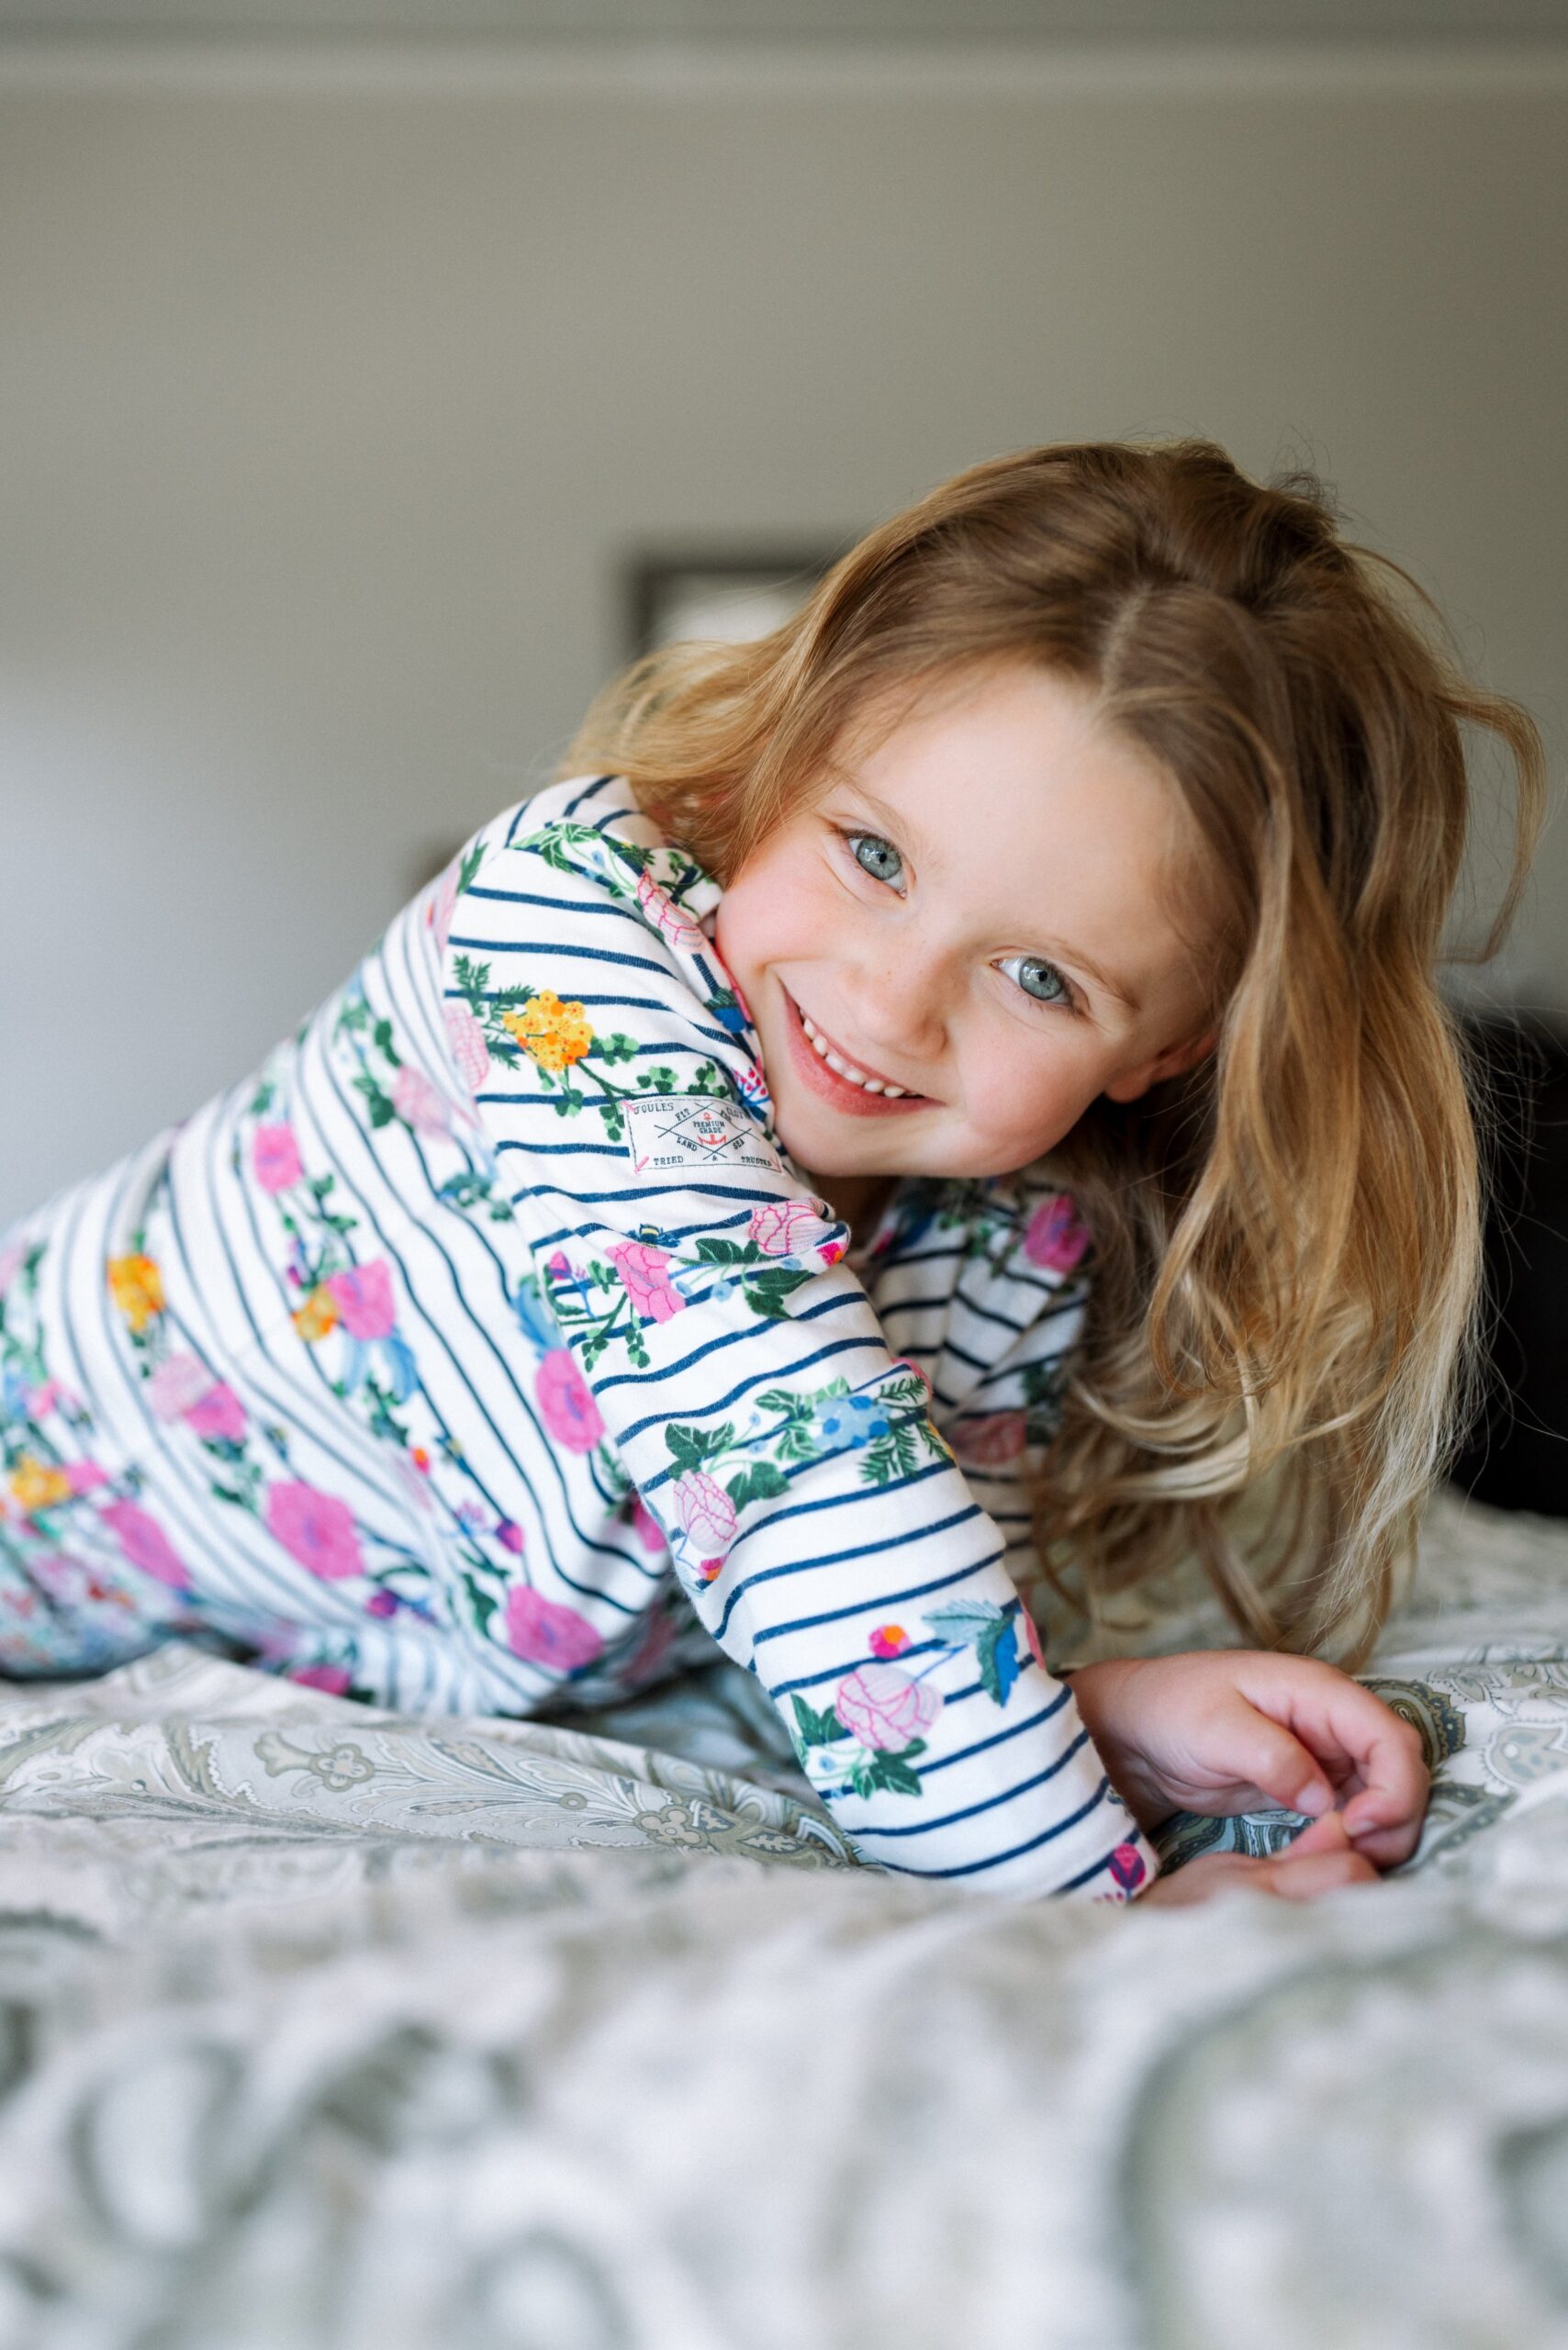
x=988 y=1803
x=1033 y=1844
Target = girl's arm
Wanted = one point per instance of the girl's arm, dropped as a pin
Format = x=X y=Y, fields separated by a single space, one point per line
x=815 y=1518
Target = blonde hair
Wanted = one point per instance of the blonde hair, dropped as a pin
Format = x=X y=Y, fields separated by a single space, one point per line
x=1286 y=1238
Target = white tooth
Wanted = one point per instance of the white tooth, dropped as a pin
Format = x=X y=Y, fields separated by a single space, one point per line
x=874 y=1085
x=895 y=1092
x=833 y=1062
x=818 y=1048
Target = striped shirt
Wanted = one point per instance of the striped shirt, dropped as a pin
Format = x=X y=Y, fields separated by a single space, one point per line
x=486 y=1349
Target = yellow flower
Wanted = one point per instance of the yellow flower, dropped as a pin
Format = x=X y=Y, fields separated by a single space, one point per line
x=555 y=1034
x=317 y=1317
x=37 y=1486
x=137 y=1287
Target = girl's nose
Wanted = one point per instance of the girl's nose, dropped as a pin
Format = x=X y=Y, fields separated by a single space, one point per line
x=899 y=1012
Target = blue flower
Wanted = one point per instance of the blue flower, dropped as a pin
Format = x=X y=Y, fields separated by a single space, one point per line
x=538 y=1323
x=400 y=1368
x=849 y=1421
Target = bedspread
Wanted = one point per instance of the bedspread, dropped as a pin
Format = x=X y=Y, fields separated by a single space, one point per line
x=329 y=2029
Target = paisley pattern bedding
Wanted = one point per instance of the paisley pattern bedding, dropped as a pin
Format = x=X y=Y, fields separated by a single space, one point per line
x=326 y=2027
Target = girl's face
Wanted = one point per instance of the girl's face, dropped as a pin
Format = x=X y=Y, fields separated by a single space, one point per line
x=975 y=909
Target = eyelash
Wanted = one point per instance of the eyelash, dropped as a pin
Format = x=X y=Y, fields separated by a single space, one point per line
x=1069 y=1000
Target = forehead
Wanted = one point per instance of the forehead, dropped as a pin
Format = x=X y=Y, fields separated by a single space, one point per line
x=1010 y=794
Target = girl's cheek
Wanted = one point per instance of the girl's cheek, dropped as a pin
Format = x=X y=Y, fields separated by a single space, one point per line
x=1025 y=1110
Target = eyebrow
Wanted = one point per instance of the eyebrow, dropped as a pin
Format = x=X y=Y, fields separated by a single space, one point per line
x=898 y=825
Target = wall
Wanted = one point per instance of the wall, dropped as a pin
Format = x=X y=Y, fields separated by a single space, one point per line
x=333 y=397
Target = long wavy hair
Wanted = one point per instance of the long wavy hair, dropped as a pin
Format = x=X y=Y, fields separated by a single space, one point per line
x=1282 y=1333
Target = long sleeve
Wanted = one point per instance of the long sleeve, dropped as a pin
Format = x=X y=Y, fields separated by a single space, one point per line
x=817 y=1519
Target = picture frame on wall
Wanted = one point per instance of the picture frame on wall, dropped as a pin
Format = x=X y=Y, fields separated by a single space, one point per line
x=732 y=594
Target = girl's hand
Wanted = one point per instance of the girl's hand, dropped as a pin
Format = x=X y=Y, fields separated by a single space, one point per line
x=1321 y=1860
x=1231 y=1730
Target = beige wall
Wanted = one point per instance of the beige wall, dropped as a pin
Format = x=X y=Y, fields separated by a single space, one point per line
x=330 y=405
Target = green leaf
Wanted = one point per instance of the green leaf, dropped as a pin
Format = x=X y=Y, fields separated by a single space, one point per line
x=473 y=978
x=891 y=1773
x=691 y=1446
x=616 y=1047
x=760 y=1482
x=384 y=1044
x=768 y=1294
x=965 y=1620
x=713 y=1250
x=381 y=1111
x=998 y=1651
x=469 y=868
x=816 y=1729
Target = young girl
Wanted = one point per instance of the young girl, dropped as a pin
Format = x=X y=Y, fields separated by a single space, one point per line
x=951 y=1099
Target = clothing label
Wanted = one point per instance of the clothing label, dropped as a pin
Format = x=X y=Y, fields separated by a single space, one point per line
x=671 y=1133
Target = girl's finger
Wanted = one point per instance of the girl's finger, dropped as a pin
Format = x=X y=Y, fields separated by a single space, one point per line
x=1302 y=1877
x=1325 y=1835
x=1357 y=1739
x=1262 y=1750
x=1384 y=1815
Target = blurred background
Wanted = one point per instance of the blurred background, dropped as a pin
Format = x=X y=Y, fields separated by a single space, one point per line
x=373 y=372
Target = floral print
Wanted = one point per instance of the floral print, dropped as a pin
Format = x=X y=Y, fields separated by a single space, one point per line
x=498 y=1200
x=551 y=1033
x=548 y=1633
x=316 y=1528
x=137 y=1287
x=565 y=1401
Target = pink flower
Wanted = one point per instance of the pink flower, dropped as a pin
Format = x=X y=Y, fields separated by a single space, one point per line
x=650 y=1533
x=548 y=1633
x=179 y=1381
x=989 y=1438
x=12 y=1259
x=40 y=1402
x=565 y=1401
x=706 y=1511
x=1126 y=1866
x=884 y=1707
x=316 y=1528
x=145 y=1544
x=85 y=1476
x=649 y=1287
x=508 y=1534
x=380 y=1603
x=888 y=1640
x=786 y=1227
x=364 y=1299
x=671 y=921
x=469 y=1049
x=1056 y=1235
x=419 y=1104
x=274 y=1155
x=335 y=1679
x=218 y=1417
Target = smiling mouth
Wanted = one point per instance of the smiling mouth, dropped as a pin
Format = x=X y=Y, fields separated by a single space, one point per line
x=866 y=1080
x=847 y=1069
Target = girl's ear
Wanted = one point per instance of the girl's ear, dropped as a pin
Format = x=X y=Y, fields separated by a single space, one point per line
x=1169 y=1063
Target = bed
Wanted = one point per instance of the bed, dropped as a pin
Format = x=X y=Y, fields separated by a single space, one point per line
x=326 y=2027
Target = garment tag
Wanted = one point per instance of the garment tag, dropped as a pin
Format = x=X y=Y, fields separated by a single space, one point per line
x=671 y=1133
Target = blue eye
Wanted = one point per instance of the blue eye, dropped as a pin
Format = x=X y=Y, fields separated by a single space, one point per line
x=1040 y=982
x=875 y=856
